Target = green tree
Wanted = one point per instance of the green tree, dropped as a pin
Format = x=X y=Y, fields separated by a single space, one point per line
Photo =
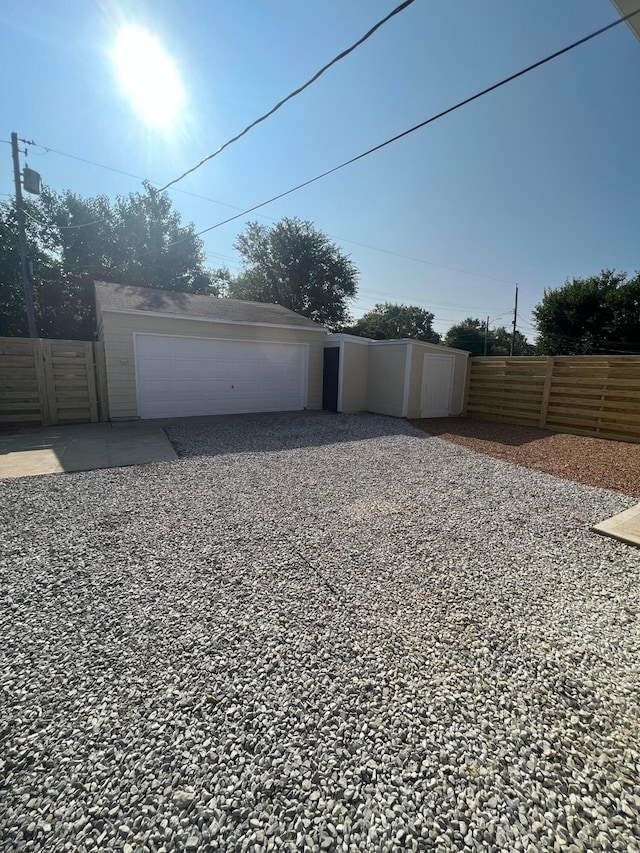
x=138 y=240
x=500 y=342
x=625 y=306
x=52 y=290
x=389 y=320
x=293 y=264
x=467 y=335
x=595 y=315
x=470 y=335
x=73 y=241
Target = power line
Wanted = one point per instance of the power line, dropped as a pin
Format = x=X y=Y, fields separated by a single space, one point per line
x=235 y=262
x=422 y=124
x=293 y=94
x=127 y=174
x=427 y=301
x=429 y=304
x=271 y=218
x=423 y=261
x=371 y=298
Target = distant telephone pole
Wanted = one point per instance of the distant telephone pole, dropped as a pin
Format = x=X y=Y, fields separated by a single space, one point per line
x=486 y=335
x=27 y=282
x=515 y=320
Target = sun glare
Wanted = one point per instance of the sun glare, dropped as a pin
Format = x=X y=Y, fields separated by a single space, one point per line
x=148 y=77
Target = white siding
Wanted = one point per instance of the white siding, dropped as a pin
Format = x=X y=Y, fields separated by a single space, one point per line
x=354 y=364
x=385 y=386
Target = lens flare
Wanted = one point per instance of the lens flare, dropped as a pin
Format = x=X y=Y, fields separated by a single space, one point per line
x=148 y=77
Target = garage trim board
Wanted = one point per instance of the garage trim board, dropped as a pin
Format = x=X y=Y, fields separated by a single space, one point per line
x=186 y=376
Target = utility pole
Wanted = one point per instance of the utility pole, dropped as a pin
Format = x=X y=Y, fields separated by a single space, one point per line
x=515 y=320
x=486 y=335
x=27 y=281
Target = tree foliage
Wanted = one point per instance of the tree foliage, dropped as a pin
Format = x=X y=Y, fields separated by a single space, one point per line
x=63 y=304
x=389 y=320
x=137 y=240
x=470 y=335
x=500 y=342
x=293 y=264
x=599 y=314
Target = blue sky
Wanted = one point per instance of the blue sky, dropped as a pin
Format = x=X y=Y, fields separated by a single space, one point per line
x=531 y=184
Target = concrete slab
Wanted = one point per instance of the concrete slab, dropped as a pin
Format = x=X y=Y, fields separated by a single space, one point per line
x=625 y=526
x=81 y=447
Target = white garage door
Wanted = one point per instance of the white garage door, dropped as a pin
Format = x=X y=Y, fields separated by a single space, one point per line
x=183 y=377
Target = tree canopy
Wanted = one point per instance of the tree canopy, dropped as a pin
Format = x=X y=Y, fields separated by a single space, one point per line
x=595 y=315
x=389 y=320
x=294 y=264
x=138 y=240
x=470 y=335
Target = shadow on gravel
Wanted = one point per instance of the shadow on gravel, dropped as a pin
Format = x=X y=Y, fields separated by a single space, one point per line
x=216 y=436
x=490 y=431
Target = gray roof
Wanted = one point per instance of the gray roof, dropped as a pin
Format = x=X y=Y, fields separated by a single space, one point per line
x=625 y=7
x=122 y=297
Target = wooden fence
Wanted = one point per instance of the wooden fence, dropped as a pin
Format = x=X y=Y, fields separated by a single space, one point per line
x=590 y=395
x=44 y=382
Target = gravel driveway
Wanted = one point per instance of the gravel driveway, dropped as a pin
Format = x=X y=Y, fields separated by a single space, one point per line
x=332 y=632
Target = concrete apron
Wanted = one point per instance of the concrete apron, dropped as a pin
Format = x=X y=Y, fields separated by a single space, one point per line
x=81 y=447
x=625 y=526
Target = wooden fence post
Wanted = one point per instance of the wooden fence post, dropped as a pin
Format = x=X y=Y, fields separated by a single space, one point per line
x=101 y=380
x=91 y=381
x=546 y=391
x=467 y=383
x=50 y=382
x=38 y=360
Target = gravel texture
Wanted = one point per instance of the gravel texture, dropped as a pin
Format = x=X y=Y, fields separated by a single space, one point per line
x=594 y=461
x=325 y=633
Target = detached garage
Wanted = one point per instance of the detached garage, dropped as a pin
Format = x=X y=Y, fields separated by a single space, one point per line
x=181 y=354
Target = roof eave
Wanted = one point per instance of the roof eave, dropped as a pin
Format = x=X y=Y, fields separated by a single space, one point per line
x=200 y=319
x=625 y=7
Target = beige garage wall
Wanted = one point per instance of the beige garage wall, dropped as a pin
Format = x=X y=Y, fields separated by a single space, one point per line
x=354 y=369
x=117 y=330
x=385 y=386
x=418 y=351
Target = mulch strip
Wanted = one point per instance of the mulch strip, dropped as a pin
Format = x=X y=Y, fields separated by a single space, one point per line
x=598 y=462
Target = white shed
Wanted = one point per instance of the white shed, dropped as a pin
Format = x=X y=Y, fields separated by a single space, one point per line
x=403 y=378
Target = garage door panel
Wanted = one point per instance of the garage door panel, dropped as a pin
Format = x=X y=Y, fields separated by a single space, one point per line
x=185 y=368
x=216 y=386
x=287 y=372
x=157 y=368
x=195 y=376
x=155 y=389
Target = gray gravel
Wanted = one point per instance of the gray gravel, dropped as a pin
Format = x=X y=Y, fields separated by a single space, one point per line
x=321 y=633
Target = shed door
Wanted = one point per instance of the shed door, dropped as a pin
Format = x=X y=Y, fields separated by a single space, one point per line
x=183 y=377
x=331 y=367
x=437 y=382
